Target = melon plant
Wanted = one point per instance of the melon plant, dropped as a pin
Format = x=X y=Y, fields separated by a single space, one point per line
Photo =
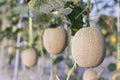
x=88 y=47
x=29 y=57
x=54 y=39
x=89 y=74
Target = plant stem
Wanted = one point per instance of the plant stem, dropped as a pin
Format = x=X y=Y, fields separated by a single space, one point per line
x=87 y=21
x=30 y=28
x=17 y=57
x=81 y=12
x=42 y=55
x=71 y=71
x=118 y=45
x=81 y=2
x=88 y=12
x=69 y=50
x=88 y=4
x=69 y=41
x=2 y=58
x=17 y=52
x=52 y=69
x=57 y=77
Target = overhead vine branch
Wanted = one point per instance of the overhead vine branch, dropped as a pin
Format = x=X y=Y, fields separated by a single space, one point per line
x=30 y=25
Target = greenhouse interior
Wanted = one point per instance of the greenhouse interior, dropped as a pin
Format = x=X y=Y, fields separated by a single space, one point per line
x=59 y=39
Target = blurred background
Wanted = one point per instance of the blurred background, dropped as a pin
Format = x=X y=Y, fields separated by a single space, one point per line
x=14 y=35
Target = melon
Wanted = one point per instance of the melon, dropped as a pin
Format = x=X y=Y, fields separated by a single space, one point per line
x=29 y=57
x=54 y=39
x=89 y=74
x=88 y=47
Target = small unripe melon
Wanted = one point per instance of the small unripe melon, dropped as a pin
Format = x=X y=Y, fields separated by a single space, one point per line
x=115 y=76
x=89 y=74
x=54 y=39
x=11 y=50
x=29 y=57
x=88 y=47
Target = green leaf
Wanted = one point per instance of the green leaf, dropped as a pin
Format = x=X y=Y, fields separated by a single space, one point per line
x=65 y=11
x=112 y=67
x=77 y=21
x=46 y=8
x=17 y=31
x=21 y=9
x=11 y=58
x=42 y=18
x=2 y=2
x=101 y=78
x=51 y=6
x=58 y=59
x=36 y=4
x=69 y=4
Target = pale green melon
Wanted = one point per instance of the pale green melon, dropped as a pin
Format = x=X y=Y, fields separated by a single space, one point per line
x=54 y=39
x=88 y=47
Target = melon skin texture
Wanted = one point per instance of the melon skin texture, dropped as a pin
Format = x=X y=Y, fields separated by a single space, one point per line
x=54 y=40
x=89 y=74
x=115 y=76
x=88 y=47
x=29 y=57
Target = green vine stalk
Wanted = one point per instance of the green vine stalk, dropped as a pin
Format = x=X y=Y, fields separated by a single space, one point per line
x=52 y=68
x=42 y=54
x=30 y=27
x=88 y=12
x=71 y=71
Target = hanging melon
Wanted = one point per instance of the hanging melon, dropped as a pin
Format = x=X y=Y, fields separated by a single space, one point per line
x=89 y=74
x=54 y=39
x=29 y=57
x=88 y=47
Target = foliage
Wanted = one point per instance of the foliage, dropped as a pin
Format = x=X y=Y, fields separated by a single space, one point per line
x=112 y=67
x=109 y=29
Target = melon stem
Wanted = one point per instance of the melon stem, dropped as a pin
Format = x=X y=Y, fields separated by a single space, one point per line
x=30 y=27
x=42 y=55
x=118 y=45
x=71 y=71
x=17 y=58
x=57 y=77
x=52 y=68
x=2 y=58
x=69 y=42
x=15 y=74
x=88 y=12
